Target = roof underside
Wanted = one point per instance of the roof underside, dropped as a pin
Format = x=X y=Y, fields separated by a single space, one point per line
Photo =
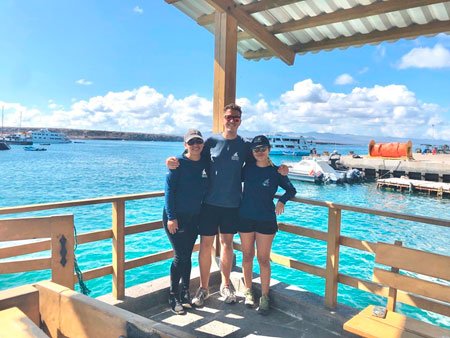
x=313 y=26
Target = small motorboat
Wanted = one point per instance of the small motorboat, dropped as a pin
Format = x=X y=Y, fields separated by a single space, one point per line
x=319 y=171
x=4 y=146
x=31 y=148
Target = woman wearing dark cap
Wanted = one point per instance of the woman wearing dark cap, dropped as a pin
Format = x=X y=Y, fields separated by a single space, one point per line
x=258 y=222
x=184 y=192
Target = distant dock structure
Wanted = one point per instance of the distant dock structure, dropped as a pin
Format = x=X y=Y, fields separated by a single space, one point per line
x=425 y=167
x=439 y=189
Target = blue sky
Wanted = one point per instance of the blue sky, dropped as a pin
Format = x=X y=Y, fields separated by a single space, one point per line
x=144 y=66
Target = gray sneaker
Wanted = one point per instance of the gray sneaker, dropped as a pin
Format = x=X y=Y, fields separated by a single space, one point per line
x=264 y=305
x=200 y=296
x=249 y=298
x=228 y=294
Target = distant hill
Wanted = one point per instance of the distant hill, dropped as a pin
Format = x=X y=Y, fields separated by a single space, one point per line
x=83 y=134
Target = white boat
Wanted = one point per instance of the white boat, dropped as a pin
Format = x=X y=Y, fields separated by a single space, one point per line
x=318 y=170
x=290 y=145
x=18 y=138
x=49 y=137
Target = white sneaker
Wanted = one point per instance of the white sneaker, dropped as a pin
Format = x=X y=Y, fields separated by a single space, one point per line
x=228 y=294
x=249 y=298
x=200 y=296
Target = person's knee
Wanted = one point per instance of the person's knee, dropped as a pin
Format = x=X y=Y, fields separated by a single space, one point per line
x=247 y=257
x=226 y=241
x=264 y=260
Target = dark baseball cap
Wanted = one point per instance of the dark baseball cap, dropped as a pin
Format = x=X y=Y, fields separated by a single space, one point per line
x=192 y=133
x=260 y=141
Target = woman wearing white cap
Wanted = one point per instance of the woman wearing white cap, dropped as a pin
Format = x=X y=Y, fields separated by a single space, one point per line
x=184 y=192
x=258 y=221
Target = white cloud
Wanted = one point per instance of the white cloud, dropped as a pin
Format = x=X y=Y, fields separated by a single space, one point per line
x=391 y=110
x=138 y=10
x=83 y=82
x=424 y=57
x=363 y=70
x=344 y=79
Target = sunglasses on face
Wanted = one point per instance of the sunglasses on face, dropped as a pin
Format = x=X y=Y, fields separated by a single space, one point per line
x=233 y=118
x=194 y=141
x=260 y=149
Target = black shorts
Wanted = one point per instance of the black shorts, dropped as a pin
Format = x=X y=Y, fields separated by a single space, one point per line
x=262 y=227
x=214 y=220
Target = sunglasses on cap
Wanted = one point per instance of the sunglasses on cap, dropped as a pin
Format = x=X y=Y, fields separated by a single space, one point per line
x=195 y=140
x=233 y=118
x=260 y=149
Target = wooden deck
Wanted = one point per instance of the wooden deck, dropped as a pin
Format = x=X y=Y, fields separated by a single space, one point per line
x=404 y=184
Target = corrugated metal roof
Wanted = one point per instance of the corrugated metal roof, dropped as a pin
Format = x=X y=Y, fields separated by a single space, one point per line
x=311 y=26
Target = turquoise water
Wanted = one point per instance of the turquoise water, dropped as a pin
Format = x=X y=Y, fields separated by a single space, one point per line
x=105 y=168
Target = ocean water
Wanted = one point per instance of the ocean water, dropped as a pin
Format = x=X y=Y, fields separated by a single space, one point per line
x=105 y=168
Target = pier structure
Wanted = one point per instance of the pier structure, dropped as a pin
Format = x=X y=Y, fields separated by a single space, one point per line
x=426 y=167
x=296 y=312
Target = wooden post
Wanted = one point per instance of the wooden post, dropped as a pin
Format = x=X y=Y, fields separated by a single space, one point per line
x=118 y=252
x=332 y=268
x=225 y=55
x=62 y=244
x=392 y=294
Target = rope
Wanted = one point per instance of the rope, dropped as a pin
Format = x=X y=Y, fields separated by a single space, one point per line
x=83 y=287
x=389 y=171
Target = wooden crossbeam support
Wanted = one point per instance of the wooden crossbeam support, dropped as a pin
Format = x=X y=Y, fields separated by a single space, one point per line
x=254 y=7
x=341 y=15
x=361 y=39
x=258 y=31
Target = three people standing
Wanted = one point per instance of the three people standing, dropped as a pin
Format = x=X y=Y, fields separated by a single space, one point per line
x=220 y=213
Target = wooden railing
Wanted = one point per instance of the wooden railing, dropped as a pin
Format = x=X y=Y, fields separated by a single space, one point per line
x=332 y=237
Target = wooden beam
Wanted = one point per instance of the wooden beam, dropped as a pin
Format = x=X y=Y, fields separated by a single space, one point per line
x=332 y=268
x=62 y=244
x=118 y=252
x=225 y=55
x=258 y=31
x=393 y=34
x=254 y=7
x=341 y=15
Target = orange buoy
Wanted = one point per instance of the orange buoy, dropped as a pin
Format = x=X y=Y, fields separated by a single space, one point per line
x=390 y=150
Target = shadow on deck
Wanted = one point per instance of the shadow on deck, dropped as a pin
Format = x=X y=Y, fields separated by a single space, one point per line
x=295 y=312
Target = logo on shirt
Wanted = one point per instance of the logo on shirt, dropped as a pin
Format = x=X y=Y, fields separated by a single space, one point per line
x=266 y=183
x=235 y=157
x=204 y=174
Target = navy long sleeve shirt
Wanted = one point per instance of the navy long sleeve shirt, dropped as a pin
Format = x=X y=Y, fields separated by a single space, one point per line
x=226 y=160
x=185 y=187
x=260 y=186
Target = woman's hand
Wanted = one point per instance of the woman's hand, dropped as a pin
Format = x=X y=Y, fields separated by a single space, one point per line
x=172 y=226
x=283 y=169
x=172 y=163
x=279 y=208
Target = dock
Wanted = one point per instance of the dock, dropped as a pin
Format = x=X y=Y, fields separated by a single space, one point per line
x=425 y=167
x=404 y=184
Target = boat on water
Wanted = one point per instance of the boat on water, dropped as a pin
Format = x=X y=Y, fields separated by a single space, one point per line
x=23 y=139
x=31 y=148
x=49 y=137
x=290 y=145
x=318 y=170
x=4 y=146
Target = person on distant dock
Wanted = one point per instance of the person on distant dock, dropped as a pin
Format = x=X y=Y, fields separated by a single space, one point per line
x=257 y=217
x=184 y=192
x=226 y=153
